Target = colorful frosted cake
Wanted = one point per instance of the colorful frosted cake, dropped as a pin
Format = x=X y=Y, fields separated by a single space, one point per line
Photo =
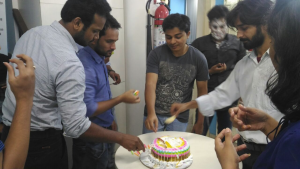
x=170 y=149
x=167 y=152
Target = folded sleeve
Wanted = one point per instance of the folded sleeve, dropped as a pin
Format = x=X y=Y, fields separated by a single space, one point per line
x=70 y=86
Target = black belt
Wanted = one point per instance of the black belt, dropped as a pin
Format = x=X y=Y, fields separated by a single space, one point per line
x=253 y=146
x=36 y=134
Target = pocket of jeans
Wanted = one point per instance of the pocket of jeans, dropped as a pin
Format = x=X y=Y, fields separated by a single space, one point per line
x=96 y=150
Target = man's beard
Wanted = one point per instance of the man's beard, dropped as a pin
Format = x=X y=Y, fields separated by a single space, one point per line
x=102 y=53
x=257 y=40
x=79 y=38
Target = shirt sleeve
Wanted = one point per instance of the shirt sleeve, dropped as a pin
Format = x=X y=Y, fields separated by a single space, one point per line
x=70 y=86
x=108 y=64
x=90 y=91
x=223 y=95
x=152 y=62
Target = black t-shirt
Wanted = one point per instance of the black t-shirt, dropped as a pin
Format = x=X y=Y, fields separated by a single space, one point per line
x=231 y=50
x=3 y=69
x=176 y=76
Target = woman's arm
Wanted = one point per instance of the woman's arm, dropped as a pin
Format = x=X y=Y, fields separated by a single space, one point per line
x=17 y=142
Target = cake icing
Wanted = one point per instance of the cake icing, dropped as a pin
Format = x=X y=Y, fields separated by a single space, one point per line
x=167 y=153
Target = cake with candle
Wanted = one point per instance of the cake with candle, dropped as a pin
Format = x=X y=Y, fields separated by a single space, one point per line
x=167 y=152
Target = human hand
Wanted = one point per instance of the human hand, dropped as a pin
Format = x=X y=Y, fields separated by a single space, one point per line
x=178 y=108
x=128 y=97
x=115 y=76
x=23 y=85
x=226 y=152
x=151 y=122
x=132 y=143
x=114 y=126
x=233 y=118
x=218 y=68
x=248 y=118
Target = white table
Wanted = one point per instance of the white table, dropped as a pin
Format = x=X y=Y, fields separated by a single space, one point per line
x=202 y=149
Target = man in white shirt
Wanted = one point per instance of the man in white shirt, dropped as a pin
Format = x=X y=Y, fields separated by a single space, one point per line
x=60 y=84
x=248 y=79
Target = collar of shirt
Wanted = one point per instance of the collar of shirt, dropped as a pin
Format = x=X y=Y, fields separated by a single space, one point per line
x=64 y=32
x=97 y=58
x=79 y=47
x=253 y=56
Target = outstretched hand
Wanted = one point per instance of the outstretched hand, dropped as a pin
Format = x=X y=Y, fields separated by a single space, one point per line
x=178 y=108
x=226 y=152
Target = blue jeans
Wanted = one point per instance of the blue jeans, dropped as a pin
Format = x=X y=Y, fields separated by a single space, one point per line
x=90 y=155
x=175 y=126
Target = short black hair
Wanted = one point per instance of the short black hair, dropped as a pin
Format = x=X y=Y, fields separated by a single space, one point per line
x=182 y=22
x=111 y=22
x=217 y=12
x=85 y=9
x=250 y=12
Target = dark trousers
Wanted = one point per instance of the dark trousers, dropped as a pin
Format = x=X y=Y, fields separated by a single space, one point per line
x=254 y=149
x=223 y=119
x=91 y=155
x=47 y=149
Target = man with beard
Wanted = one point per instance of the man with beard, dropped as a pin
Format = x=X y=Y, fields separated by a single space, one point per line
x=222 y=51
x=59 y=86
x=249 y=77
x=97 y=97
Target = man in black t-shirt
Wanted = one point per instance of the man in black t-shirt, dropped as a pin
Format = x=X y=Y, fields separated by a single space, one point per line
x=171 y=71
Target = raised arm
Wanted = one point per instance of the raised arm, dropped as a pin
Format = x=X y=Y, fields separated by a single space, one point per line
x=17 y=142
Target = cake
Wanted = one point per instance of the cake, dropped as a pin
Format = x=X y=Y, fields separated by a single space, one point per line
x=167 y=152
x=170 y=149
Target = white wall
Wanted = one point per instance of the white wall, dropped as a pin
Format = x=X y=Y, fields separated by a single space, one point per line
x=31 y=12
x=135 y=60
x=15 y=4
